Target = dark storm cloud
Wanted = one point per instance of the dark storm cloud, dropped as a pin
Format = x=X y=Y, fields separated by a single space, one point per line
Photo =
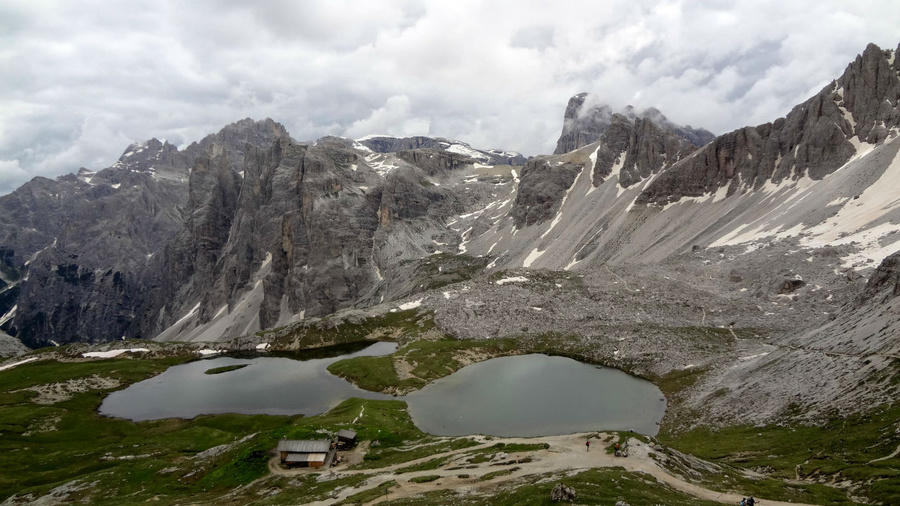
x=79 y=81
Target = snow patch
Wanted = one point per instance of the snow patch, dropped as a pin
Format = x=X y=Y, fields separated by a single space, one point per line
x=190 y=313
x=466 y=150
x=221 y=311
x=20 y=362
x=9 y=315
x=534 y=255
x=513 y=279
x=33 y=257
x=374 y=136
x=113 y=353
x=206 y=352
x=410 y=305
x=262 y=346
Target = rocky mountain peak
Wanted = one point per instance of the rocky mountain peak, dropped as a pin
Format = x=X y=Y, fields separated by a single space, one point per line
x=390 y=144
x=815 y=139
x=232 y=139
x=584 y=122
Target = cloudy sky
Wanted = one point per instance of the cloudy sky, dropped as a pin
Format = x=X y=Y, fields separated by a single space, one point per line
x=81 y=80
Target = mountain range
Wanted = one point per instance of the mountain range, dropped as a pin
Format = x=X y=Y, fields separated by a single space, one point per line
x=786 y=230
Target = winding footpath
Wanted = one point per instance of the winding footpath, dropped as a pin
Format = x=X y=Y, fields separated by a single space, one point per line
x=565 y=454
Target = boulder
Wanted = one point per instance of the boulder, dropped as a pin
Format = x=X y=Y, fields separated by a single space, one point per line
x=562 y=493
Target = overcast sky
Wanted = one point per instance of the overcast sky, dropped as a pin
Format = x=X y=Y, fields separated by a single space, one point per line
x=81 y=80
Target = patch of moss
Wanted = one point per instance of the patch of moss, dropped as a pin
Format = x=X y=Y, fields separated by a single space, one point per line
x=225 y=368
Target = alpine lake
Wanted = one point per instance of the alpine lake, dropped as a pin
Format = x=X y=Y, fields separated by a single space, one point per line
x=518 y=396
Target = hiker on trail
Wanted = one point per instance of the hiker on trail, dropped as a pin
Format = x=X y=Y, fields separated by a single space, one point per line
x=751 y=501
x=588 y=444
x=743 y=501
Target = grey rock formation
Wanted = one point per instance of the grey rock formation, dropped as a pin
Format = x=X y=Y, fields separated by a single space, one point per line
x=10 y=346
x=583 y=126
x=543 y=184
x=636 y=147
x=434 y=161
x=884 y=282
x=248 y=229
x=641 y=146
x=387 y=144
x=813 y=140
x=563 y=493
x=314 y=229
x=79 y=252
x=580 y=127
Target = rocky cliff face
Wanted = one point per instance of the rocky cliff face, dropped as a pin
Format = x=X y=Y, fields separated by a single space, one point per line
x=249 y=229
x=636 y=149
x=583 y=125
x=630 y=146
x=884 y=282
x=81 y=249
x=813 y=140
x=388 y=144
x=313 y=228
x=543 y=185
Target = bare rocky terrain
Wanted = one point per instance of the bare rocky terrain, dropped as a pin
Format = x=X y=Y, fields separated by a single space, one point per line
x=641 y=244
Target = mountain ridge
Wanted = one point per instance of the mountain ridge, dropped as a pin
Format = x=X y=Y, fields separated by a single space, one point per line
x=259 y=230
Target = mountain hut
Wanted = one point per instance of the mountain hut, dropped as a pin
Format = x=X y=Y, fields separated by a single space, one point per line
x=346 y=438
x=305 y=453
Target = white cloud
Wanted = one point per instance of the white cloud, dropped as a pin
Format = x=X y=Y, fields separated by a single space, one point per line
x=395 y=118
x=80 y=81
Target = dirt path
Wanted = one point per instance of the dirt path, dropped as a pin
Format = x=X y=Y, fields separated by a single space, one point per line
x=565 y=454
x=887 y=457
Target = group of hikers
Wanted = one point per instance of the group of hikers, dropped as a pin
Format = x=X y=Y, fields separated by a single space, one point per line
x=748 y=501
x=619 y=452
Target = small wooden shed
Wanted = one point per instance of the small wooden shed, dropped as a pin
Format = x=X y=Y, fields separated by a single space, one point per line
x=346 y=438
x=304 y=453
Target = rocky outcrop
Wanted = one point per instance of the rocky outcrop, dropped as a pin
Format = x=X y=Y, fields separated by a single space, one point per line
x=10 y=346
x=640 y=148
x=86 y=248
x=583 y=126
x=313 y=229
x=563 y=493
x=813 y=140
x=543 y=184
x=388 y=144
x=231 y=140
x=884 y=282
x=634 y=147
x=434 y=161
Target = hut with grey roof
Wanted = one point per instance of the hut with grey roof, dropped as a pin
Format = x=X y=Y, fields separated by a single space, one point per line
x=346 y=438
x=305 y=453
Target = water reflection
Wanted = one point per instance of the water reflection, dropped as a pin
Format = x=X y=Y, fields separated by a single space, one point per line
x=269 y=385
x=536 y=395
x=528 y=395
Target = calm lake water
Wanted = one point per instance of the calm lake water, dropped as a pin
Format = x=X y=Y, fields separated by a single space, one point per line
x=530 y=395
x=536 y=395
x=268 y=385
